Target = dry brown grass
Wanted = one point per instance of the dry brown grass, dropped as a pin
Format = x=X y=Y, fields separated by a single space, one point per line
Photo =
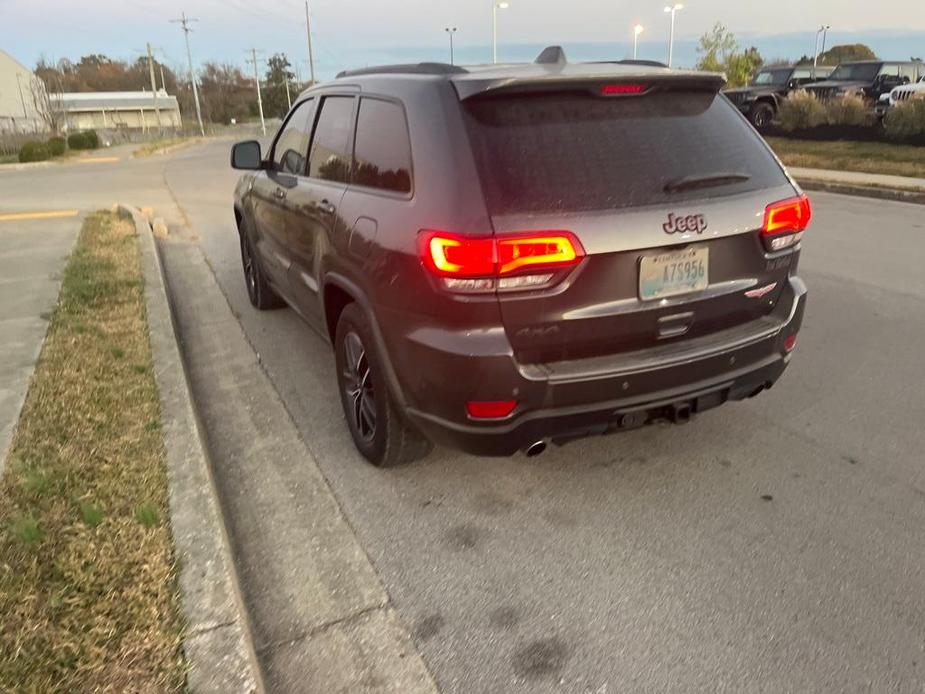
x=88 y=592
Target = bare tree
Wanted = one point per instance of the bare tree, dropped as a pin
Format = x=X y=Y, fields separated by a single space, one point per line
x=45 y=105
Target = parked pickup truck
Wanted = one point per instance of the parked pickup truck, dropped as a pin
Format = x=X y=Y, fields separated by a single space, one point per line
x=869 y=78
x=760 y=99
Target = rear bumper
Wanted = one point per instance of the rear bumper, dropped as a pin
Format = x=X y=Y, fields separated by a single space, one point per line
x=595 y=396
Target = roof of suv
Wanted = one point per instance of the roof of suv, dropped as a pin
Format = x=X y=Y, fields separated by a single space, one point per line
x=550 y=68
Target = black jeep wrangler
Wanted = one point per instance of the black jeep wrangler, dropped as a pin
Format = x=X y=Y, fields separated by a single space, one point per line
x=760 y=99
x=868 y=78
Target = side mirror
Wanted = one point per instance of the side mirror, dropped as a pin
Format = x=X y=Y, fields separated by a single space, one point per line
x=246 y=156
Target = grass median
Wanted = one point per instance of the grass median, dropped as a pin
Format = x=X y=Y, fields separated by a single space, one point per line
x=863 y=157
x=88 y=590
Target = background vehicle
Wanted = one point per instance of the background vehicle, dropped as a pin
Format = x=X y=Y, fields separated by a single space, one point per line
x=870 y=78
x=759 y=101
x=504 y=256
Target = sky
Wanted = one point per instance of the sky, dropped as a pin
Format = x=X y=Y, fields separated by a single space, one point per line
x=354 y=33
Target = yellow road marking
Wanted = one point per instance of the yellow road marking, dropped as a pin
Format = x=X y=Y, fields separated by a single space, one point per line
x=38 y=215
x=96 y=160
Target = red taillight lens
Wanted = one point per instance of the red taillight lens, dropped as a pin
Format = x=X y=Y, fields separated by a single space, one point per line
x=787 y=216
x=517 y=252
x=622 y=89
x=459 y=256
x=491 y=409
x=790 y=343
x=489 y=258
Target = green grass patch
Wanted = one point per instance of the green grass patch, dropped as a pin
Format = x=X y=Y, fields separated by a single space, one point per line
x=864 y=157
x=9 y=158
x=88 y=590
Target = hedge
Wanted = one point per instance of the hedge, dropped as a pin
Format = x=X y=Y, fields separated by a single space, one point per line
x=84 y=140
x=34 y=151
x=56 y=146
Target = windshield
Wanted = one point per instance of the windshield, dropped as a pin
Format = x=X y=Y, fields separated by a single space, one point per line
x=771 y=77
x=860 y=72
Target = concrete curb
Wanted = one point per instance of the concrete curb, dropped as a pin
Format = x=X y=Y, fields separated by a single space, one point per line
x=217 y=643
x=911 y=195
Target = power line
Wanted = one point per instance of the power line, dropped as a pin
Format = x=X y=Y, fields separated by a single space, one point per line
x=184 y=21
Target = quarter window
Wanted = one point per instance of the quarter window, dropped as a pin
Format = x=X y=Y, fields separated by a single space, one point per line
x=382 y=156
x=292 y=144
x=330 y=153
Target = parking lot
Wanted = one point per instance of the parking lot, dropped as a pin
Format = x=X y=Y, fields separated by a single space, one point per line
x=769 y=545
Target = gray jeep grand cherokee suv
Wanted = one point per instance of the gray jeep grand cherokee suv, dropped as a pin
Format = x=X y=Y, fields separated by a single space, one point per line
x=509 y=255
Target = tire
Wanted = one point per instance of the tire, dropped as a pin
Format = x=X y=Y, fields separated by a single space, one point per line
x=259 y=291
x=762 y=114
x=379 y=430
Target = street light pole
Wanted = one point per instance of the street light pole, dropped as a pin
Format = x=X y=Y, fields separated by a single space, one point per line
x=495 y=6
x=451 y=32
x=637 y=30
x=263 y=125
x=673 y=10
x=825 y=30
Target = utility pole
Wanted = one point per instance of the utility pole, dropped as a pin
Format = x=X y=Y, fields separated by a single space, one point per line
x=184 y=22
x=157 y=110
x=311 y=55
x=263 y=125
x=288 y=98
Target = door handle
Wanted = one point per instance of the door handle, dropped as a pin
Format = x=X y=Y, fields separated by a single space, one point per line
x=279 y=194
x=326 y=207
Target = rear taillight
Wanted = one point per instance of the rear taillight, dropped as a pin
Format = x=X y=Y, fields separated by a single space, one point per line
x=516 y=261
x=785 y=221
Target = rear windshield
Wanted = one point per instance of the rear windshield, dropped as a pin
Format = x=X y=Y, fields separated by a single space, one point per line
x=573 y=152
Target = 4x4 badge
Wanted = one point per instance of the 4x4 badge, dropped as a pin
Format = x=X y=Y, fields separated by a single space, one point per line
x=681 y=224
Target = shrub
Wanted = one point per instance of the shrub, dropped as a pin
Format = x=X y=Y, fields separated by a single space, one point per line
x=801 y=110
x=849 y=109
x=84 y=140
x=56 y=146
x=34 y=151
x=906 y=120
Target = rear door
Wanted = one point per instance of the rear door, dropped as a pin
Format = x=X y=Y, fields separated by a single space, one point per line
x=314 y=203
x=665 y=192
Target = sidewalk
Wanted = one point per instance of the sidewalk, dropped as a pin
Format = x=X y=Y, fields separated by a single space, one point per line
x=32 y=255
x=902 y=188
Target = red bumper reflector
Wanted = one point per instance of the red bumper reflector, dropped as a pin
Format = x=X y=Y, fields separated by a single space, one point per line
x=490 y=409
x=790 y=343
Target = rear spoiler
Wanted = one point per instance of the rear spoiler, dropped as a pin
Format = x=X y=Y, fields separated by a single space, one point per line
x=473 y=85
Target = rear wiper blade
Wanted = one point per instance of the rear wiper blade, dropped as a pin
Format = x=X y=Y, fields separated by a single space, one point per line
x=708 y=181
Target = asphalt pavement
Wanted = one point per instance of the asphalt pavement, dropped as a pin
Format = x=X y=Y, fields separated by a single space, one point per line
x=768 y=545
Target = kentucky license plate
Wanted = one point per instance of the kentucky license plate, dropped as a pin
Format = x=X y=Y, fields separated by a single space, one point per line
x=674 y=273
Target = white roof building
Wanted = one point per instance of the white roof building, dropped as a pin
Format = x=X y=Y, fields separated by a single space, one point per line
x=117 y=110
x=21 y=94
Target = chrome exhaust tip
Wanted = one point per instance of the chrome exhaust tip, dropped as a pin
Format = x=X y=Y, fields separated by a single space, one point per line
x=535 y=449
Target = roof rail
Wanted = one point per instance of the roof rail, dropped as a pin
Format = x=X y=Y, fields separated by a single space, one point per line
x=408 y=69
x=551 y=55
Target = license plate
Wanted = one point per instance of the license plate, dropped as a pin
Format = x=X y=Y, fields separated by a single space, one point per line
x=674 y=273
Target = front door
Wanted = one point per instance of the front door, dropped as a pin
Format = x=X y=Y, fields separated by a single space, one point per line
x=271 y=194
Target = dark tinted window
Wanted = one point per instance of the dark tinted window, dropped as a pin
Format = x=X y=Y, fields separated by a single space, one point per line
x=382 y=156
x=575 y=152
x=292 y=145
x=330 y=154
x=862 y=72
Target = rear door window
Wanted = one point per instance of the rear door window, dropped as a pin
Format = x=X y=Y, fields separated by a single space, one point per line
x=382 y=154
x=330 y=153
x=572 y=151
